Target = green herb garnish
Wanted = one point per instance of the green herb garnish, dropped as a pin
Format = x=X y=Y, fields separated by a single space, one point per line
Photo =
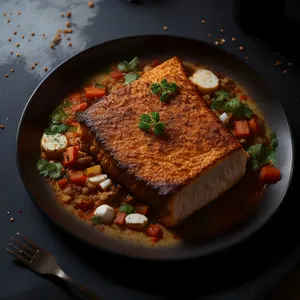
x=147 y=121
x=96 y=220
x=261 y=154
x=165 y=89
x=58 y=115
x=223 y=103
x=126 y=66
x=57 y=128
x=48 y=169
x=128 y=209
x=131 y=77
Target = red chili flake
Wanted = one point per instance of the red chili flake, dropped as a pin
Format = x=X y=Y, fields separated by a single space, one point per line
x=22 y=36
x=70 y=44
x=32 y=67
x=45 y=69
x=278 y=63
x=68 y=14
x=15 y=32
x=43 y=34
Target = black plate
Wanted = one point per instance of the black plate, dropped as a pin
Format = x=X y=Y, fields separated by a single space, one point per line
x=71 y=74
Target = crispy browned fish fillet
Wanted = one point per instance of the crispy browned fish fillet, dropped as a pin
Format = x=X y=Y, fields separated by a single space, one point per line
x=196 y=161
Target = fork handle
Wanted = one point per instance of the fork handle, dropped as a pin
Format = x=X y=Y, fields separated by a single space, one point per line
x=79 y=287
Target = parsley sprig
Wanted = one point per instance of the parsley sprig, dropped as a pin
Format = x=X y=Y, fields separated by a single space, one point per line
x=165 y=89
x=125 y=66
x=152 y=120
x=261 y=154
x=131 y=77
x=223 y=103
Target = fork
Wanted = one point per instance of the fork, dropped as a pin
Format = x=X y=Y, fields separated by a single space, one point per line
x=42 y=262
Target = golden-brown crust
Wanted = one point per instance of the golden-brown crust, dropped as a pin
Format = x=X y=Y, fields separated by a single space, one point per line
x=195 y=137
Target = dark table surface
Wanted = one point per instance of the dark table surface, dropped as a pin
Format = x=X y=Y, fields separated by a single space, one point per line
x=249 y=271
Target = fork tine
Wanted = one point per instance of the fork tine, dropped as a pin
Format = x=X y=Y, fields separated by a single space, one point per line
x=24 y=253
x=24 y=246
x=18 y=257
x=30 y=243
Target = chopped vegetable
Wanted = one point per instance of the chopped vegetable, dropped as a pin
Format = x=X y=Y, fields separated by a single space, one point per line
x=253 y=126
x=96 y=220
x=126 y=66
x=77 y=177
x=269 y=174
x=80 y=107
x=243 y=97
x=57 y=128
x=93 y=171
x=70 y=156
x=261 y=155
x=120 y=218
x=75 y=98
x=116 y=75
x=154 y=231
x=94 y=92
x=127 y=208
x=58 y=115
x=241 y=129
x=165 y=89
x=131 y=77
x=142 y=209
x=146 y=121
x=49 y=169
x=62 y=183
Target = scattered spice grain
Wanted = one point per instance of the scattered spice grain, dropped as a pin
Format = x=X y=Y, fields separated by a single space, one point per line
x=165 y=27
x=12 y=70
x=68 y=14
x=91 y=4
x=241 y=48
x=2 y=127
x=68 y=24
x=9 y=39
x=5 y=75
x=45 y=69
x=203 y=21
x=11 y=219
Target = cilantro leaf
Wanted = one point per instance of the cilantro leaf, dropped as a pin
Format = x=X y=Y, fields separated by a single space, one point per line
x=145 y=118
x=149 y=120
x=222 y=95
x=155 y=88
x=58 y=115
x=261 y=155
x=96 y=220
x=49 y=169
x=155 y=116
x=159 y=128
x=165 y=89
x=126 y=66
x=128 y=209
x=131 y=77
x=144 y=126
x=54 y=129
x=273 y=141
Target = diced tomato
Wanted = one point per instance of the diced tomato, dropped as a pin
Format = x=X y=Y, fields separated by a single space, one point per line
x=80 y=107
x=243 y=97
x=70 y=156
x=269 y=174
x=142 y=209
x=120 y=218
x=75 y=97
x=94 y=92
x=253 y=126
x=155 y=63
x=154 y=231
x=70 y=121
x=238 y=90
x=62 y=183
x=241 y=129
x=77 y=177
x=116 y=75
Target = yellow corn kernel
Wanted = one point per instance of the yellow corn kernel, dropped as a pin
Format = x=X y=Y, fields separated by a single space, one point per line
x=93 y=171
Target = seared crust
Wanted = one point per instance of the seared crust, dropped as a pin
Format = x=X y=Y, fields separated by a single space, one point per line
x=195 y=137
